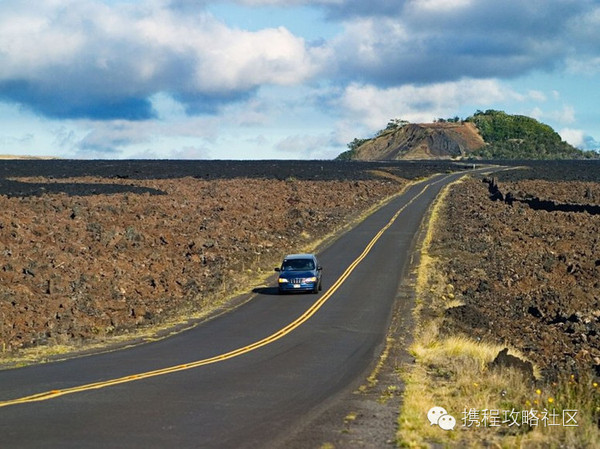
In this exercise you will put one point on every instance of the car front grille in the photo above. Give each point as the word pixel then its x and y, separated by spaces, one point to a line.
pixel 297 281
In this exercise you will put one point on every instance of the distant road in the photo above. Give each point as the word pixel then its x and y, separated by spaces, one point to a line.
pixel 241 380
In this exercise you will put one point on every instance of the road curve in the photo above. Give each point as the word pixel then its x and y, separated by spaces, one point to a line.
pixel 241 380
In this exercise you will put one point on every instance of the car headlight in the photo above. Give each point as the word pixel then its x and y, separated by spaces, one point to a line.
pixel 312 279
pixel 283 281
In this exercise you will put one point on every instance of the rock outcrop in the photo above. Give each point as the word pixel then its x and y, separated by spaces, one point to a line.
pixel 422 141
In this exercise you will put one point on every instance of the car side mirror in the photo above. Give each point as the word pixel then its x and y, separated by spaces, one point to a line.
pixel 277 269
pixel 319 268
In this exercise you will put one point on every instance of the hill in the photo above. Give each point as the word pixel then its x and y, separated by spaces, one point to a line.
pixel 485 135
pixel 420 141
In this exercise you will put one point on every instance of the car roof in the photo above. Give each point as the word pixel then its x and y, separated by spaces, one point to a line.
pixel 299 256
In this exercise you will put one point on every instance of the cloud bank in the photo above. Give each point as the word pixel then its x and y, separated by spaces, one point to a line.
pixel 100 66
pixel 91 59
pixel 86 59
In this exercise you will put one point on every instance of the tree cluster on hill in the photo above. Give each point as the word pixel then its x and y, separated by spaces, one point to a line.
pixel 520 137
pixel 454 119
pixel 352 146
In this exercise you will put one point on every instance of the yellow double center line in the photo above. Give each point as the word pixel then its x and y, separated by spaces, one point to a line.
pixel 228 355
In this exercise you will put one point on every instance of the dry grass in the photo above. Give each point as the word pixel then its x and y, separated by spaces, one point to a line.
pixel 20 157
pixel 453 372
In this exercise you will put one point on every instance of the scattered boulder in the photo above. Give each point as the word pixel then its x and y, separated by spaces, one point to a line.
pixel 506 360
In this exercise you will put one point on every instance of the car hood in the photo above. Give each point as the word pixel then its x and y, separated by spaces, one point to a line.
pixel 297 274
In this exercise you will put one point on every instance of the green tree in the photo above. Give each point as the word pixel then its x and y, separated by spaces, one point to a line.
pixel 520 137
pixel 352 147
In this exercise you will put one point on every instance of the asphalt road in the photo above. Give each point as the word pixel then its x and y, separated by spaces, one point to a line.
pixel 242 380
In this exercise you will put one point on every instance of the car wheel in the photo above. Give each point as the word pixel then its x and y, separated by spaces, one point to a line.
pixel 320 286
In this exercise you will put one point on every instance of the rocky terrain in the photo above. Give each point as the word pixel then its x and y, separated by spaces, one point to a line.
pixel 90 249
pixel 523 254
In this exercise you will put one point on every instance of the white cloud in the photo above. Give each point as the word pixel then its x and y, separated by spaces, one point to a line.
pixel 107 136
pixel 248 59
pixel 566 115
pixel 422 41
pixel 536 95
pixel 191 152
pixel 563 116
pixel 584 27
pixel 30 39
pixel 289 2
pixel 579 138
pixel 441 5
pixel 11 141
pixel 575 137
pixel 306 146
pixel 72 58
pixel 536 113
pixel 589 66
pixel 373 107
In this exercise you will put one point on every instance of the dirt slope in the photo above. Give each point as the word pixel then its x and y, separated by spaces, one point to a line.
pixel 423 141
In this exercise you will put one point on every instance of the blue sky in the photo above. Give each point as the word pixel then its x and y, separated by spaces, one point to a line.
pixel 283 79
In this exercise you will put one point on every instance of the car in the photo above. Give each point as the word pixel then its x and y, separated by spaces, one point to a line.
pixel 299 272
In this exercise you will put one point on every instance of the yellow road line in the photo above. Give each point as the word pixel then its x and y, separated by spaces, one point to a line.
pixel 228 355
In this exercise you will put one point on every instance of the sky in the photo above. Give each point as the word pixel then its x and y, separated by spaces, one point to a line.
pixel 284 79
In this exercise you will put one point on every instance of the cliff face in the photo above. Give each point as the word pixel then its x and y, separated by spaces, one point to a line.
pixel 422 141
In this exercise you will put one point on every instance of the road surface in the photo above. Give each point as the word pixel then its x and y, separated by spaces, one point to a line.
pixel 245 379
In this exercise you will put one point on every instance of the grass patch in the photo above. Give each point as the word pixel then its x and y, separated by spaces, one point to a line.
pixel 493 407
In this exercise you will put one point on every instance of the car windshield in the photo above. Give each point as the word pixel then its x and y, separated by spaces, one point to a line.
pixel 298 265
